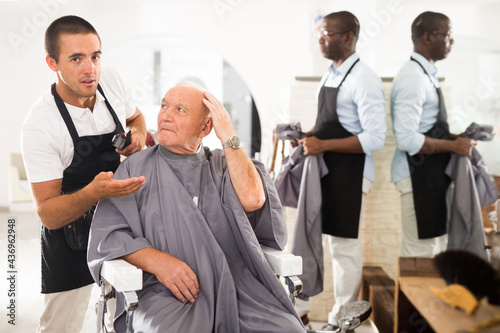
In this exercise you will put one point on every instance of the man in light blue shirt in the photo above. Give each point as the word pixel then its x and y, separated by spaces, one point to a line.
pixel 423 140
pixel 349 127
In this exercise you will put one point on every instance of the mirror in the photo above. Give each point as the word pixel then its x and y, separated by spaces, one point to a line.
pixel 151 65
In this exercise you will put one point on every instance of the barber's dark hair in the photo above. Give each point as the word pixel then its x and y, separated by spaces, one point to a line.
pixel 347 19
pixel 427 21
pixel 70 24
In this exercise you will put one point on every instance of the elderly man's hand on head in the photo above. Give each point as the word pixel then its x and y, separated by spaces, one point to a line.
pixel 244 176
pixel 221 120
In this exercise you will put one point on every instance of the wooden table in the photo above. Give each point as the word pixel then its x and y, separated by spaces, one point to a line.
pixel 419 310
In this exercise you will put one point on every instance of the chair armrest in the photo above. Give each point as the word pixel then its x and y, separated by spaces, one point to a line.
pixel 282 263
pixel 126 277
pixel 122 275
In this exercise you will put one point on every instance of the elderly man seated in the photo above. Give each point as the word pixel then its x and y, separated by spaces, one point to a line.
pixel 195 227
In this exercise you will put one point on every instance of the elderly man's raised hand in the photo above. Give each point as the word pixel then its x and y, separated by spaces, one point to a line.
pixel 220 117
pixel 104 185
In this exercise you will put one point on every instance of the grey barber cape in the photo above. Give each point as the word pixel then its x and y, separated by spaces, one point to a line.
pixel 189 209
pixel 299 186
pixel 473 187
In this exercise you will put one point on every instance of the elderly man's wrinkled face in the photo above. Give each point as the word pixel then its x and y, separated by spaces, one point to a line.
pixel 182 120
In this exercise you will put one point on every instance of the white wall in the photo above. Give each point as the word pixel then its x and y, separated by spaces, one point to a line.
pixel 267 42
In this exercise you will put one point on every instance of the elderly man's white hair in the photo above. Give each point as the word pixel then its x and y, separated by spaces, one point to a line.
pixel 189 84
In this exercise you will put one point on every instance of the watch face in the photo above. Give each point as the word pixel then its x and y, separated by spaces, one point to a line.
pixel 236 141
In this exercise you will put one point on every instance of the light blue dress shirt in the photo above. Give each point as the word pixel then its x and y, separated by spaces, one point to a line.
pixel 414 110
pixel 360 106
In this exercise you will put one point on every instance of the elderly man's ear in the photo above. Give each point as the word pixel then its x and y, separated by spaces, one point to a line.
pixel 207 127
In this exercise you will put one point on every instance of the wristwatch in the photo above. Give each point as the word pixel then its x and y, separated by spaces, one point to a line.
pixel 233 142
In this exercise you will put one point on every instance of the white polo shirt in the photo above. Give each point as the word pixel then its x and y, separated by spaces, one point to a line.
pixel 46 143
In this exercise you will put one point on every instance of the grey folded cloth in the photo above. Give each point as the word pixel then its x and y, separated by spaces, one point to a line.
pixel 289 131
pixel 485 183
pixel 480 132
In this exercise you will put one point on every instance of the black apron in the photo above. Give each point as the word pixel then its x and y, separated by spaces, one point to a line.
pixel 341 188
pixel 428 179
pixel 64 250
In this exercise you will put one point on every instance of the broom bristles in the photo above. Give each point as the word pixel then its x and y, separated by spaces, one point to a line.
pixel 469 270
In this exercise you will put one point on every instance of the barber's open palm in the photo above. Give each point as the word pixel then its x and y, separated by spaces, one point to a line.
pixel 220 117
pixel 104 185
pixel 178 277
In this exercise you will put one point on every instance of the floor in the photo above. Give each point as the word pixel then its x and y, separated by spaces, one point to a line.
pixel 366 327
pixel 28 299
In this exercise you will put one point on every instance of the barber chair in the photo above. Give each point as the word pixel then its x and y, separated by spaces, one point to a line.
pixel 118 276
